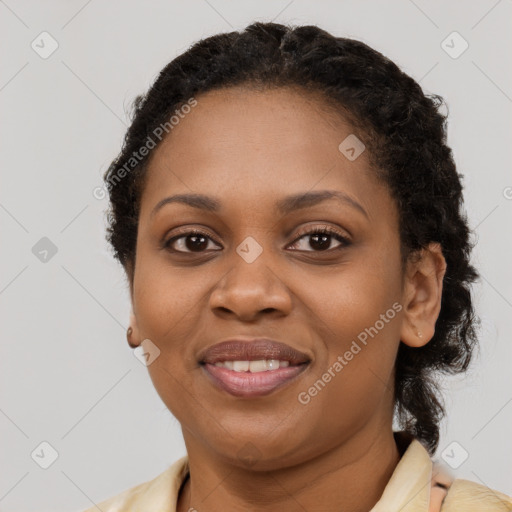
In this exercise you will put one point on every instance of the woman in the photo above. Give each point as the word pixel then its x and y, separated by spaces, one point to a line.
pixel 290 221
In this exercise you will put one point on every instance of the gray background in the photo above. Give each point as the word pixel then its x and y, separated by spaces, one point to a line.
pixel 67 374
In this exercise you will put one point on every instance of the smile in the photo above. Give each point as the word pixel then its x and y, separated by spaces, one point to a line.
pixel 263 378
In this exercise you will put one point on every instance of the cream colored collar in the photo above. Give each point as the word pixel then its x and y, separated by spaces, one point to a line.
pixel 408 489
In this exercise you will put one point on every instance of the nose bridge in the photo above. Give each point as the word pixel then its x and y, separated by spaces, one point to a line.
pixel 251 263
pixel 252 283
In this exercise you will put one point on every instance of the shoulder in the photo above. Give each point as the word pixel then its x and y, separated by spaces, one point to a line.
pixel 467 496
pixel 157 494
pixel 125 500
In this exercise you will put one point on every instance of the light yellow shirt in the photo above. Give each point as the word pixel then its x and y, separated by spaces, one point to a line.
pixel 408 490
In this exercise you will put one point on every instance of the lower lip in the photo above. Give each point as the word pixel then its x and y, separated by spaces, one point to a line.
pixel 247 384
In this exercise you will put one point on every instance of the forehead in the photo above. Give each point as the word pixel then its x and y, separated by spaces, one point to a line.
pixel 238 117
pixel 259 144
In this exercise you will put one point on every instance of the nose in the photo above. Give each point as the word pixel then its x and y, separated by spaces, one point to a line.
pixel 250 289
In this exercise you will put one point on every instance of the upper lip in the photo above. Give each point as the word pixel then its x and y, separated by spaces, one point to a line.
pixel 236 349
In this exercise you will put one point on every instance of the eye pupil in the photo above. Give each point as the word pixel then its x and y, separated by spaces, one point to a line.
pixel 194 246
pixel 320 245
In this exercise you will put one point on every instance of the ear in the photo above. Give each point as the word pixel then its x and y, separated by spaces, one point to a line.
pixel 422 291
pixel 134 338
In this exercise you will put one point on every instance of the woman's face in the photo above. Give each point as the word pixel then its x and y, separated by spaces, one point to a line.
pixel 249 151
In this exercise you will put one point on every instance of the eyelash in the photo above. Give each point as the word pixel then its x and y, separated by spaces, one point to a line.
pixel 325 230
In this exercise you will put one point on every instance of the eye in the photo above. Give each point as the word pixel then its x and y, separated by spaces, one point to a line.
pixel 194 241
pixel 197 241
pixel 321 238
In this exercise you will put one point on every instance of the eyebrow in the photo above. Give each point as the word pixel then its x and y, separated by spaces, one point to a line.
pixel 284 206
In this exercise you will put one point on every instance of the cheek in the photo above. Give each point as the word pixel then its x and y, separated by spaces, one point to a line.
pixel 356 312
pixel 347 399
pixel 358 322
pixel 166 299
pixel 353 297
pixel 359 325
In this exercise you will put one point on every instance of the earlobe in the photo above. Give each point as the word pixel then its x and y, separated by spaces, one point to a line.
pixel 132 333
pixel 422 294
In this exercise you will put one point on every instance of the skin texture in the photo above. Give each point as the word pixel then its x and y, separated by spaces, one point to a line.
pixel 250 149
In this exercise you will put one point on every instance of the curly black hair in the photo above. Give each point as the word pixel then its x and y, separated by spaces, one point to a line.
pixel 405 134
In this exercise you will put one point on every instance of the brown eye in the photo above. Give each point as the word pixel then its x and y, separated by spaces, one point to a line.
pixel 193 241
pixel 320 239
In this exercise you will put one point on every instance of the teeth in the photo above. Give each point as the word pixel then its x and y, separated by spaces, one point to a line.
pixel 262 365
pixel 259 366
pixel 241 366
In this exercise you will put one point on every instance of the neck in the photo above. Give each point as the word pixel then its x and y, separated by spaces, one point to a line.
pixel 351 477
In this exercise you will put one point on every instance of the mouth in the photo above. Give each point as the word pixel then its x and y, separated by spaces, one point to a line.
pixel 252 368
